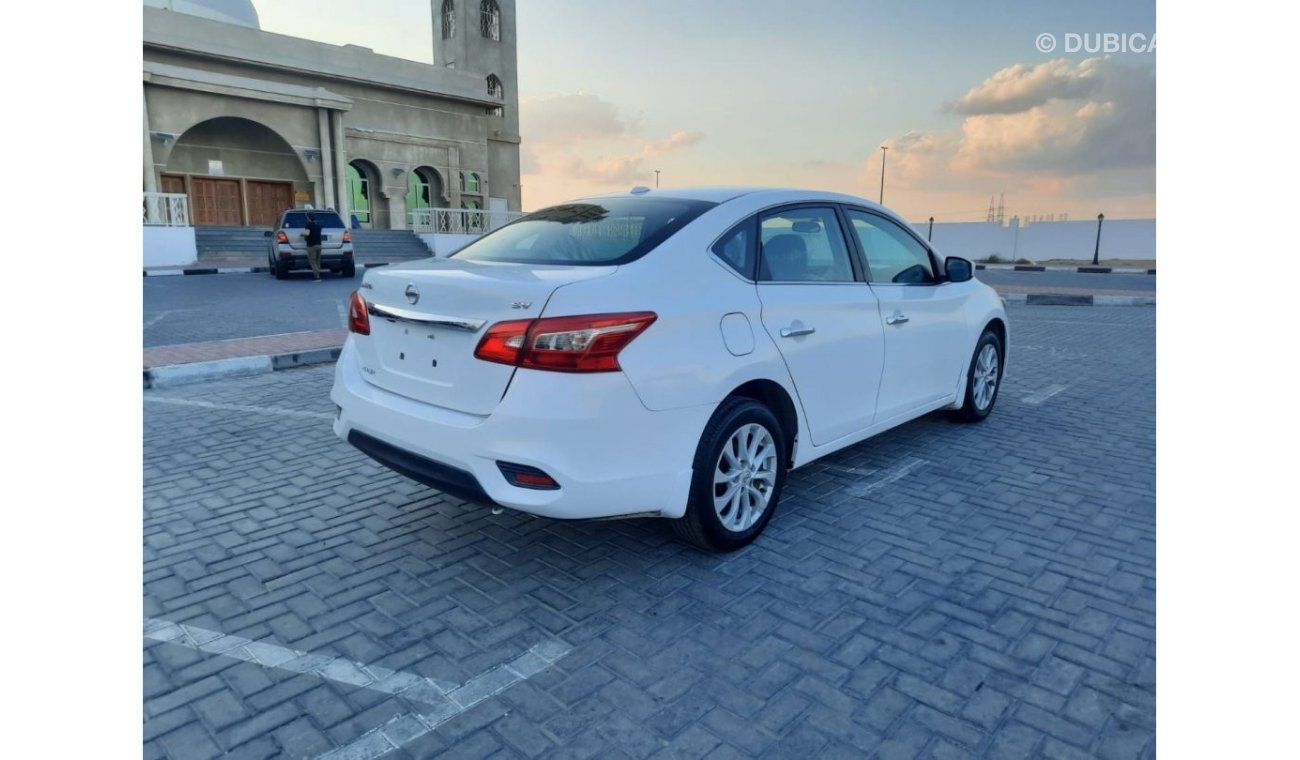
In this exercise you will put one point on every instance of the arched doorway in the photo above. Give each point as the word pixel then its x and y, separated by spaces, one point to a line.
pixel 363 183
pixel 423 191
pixel 236 172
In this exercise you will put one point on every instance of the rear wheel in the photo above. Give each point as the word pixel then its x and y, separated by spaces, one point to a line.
pixel 739 471
pixel 350 269
pixel 983 379
pixel 281 270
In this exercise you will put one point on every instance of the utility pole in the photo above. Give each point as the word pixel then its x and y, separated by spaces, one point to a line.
pixel 882 174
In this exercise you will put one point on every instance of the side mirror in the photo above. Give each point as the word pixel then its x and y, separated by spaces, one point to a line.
pixel 266 234
pixel 958 269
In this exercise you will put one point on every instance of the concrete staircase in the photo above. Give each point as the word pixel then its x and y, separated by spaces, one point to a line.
pixel 246 246
pixel 225 243
pixel 389 245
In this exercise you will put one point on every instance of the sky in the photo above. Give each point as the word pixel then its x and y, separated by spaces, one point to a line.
pixel 761 92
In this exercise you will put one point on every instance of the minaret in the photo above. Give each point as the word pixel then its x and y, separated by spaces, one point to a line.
pixel 478 37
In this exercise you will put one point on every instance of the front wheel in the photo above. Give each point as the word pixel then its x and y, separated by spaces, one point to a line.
pixel 983 379
pixel 739 472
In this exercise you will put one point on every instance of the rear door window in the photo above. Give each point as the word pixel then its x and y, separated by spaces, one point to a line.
pixel 803 245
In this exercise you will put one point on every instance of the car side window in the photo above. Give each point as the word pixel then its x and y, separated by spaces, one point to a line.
pixel 736 249
pixel 892 254
pixel 803 245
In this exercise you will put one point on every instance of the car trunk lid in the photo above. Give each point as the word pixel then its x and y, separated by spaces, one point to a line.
pixel 427 318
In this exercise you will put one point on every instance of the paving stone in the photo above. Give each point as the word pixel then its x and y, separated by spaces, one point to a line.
pixel 997 601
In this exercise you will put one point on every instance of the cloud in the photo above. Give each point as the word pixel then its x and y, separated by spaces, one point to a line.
pixel 1018 88
pixel 571 117
pixel 1053 120
pixel 675 141
pixel 582 137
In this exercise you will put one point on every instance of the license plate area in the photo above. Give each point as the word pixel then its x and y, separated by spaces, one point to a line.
pixel 412 349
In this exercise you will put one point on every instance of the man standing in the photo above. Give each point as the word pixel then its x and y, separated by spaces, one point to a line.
pixel 312 233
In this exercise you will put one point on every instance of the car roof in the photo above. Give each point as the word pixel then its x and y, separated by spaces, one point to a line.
pixel 724 193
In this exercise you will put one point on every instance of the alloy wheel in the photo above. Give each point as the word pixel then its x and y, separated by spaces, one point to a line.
pixel 986 376
pixel 744 477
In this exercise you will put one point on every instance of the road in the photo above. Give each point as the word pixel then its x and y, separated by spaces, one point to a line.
pixel 190 309
pixel 941 590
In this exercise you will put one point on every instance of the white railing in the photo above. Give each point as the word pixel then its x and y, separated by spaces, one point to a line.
pixel 167 209
pixel 460 221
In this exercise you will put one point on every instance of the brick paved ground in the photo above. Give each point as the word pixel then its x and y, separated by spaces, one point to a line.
pixel 939 591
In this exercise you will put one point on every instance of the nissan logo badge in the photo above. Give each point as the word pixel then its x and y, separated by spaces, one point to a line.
pixel 412 294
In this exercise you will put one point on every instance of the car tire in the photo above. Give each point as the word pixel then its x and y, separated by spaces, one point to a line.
pixel 350 270
pixel 714 521
pixel 280 270
pixel 983 379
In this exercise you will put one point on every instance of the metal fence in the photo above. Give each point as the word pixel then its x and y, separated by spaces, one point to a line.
pixel 460 221
pixel 166 209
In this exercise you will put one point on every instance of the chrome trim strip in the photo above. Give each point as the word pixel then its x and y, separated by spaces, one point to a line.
pixel 438 320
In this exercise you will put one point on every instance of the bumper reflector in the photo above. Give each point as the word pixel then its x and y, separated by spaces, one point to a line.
pixel 523 476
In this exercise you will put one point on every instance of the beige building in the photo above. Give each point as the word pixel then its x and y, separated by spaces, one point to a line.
pixel 246 123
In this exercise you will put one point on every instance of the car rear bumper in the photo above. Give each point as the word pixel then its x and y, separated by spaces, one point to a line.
pixel 589 432
pixel 334 258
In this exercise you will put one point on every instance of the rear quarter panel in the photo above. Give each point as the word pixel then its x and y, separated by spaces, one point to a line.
pixel 681 360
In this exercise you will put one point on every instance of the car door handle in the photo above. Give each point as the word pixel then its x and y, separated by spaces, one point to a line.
pixel 896 319
pixel 794 332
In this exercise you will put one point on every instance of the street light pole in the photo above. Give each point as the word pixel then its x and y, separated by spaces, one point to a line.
pixel 656 179
pixel 1097 248
pixel 882 174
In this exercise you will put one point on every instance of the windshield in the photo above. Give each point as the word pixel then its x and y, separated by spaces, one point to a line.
pixel 299 219
pixel 588 233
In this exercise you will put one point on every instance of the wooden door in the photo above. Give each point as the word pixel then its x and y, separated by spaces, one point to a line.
pixel 266 200
pixel 217 202
pixel 173 184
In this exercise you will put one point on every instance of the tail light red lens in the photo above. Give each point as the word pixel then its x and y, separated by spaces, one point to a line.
pixel 503 341
pixel 358 315
pixel 347 236
pixel 282 237
pixel 586 343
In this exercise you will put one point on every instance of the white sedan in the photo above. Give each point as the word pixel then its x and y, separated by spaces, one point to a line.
pixel 663 353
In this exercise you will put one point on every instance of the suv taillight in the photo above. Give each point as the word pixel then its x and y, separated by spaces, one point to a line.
pixel 282 237
pixel 358 316
pixel 586 343
pixel 347 236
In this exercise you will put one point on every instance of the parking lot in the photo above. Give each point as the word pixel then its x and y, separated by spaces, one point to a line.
pixel 939 591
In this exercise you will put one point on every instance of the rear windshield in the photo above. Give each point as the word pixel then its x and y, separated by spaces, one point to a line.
pixel 299 219
pixel 591 233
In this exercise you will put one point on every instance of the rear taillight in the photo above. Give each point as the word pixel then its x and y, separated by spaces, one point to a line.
pixel 503 340
pixel 282 237
pixel 347 236
pixel 358 316
pixel 587 343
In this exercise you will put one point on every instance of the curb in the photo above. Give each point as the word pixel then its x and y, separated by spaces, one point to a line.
pixel 1083 269
pixel 1066 299
pixel 172 375
pixel 236 270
